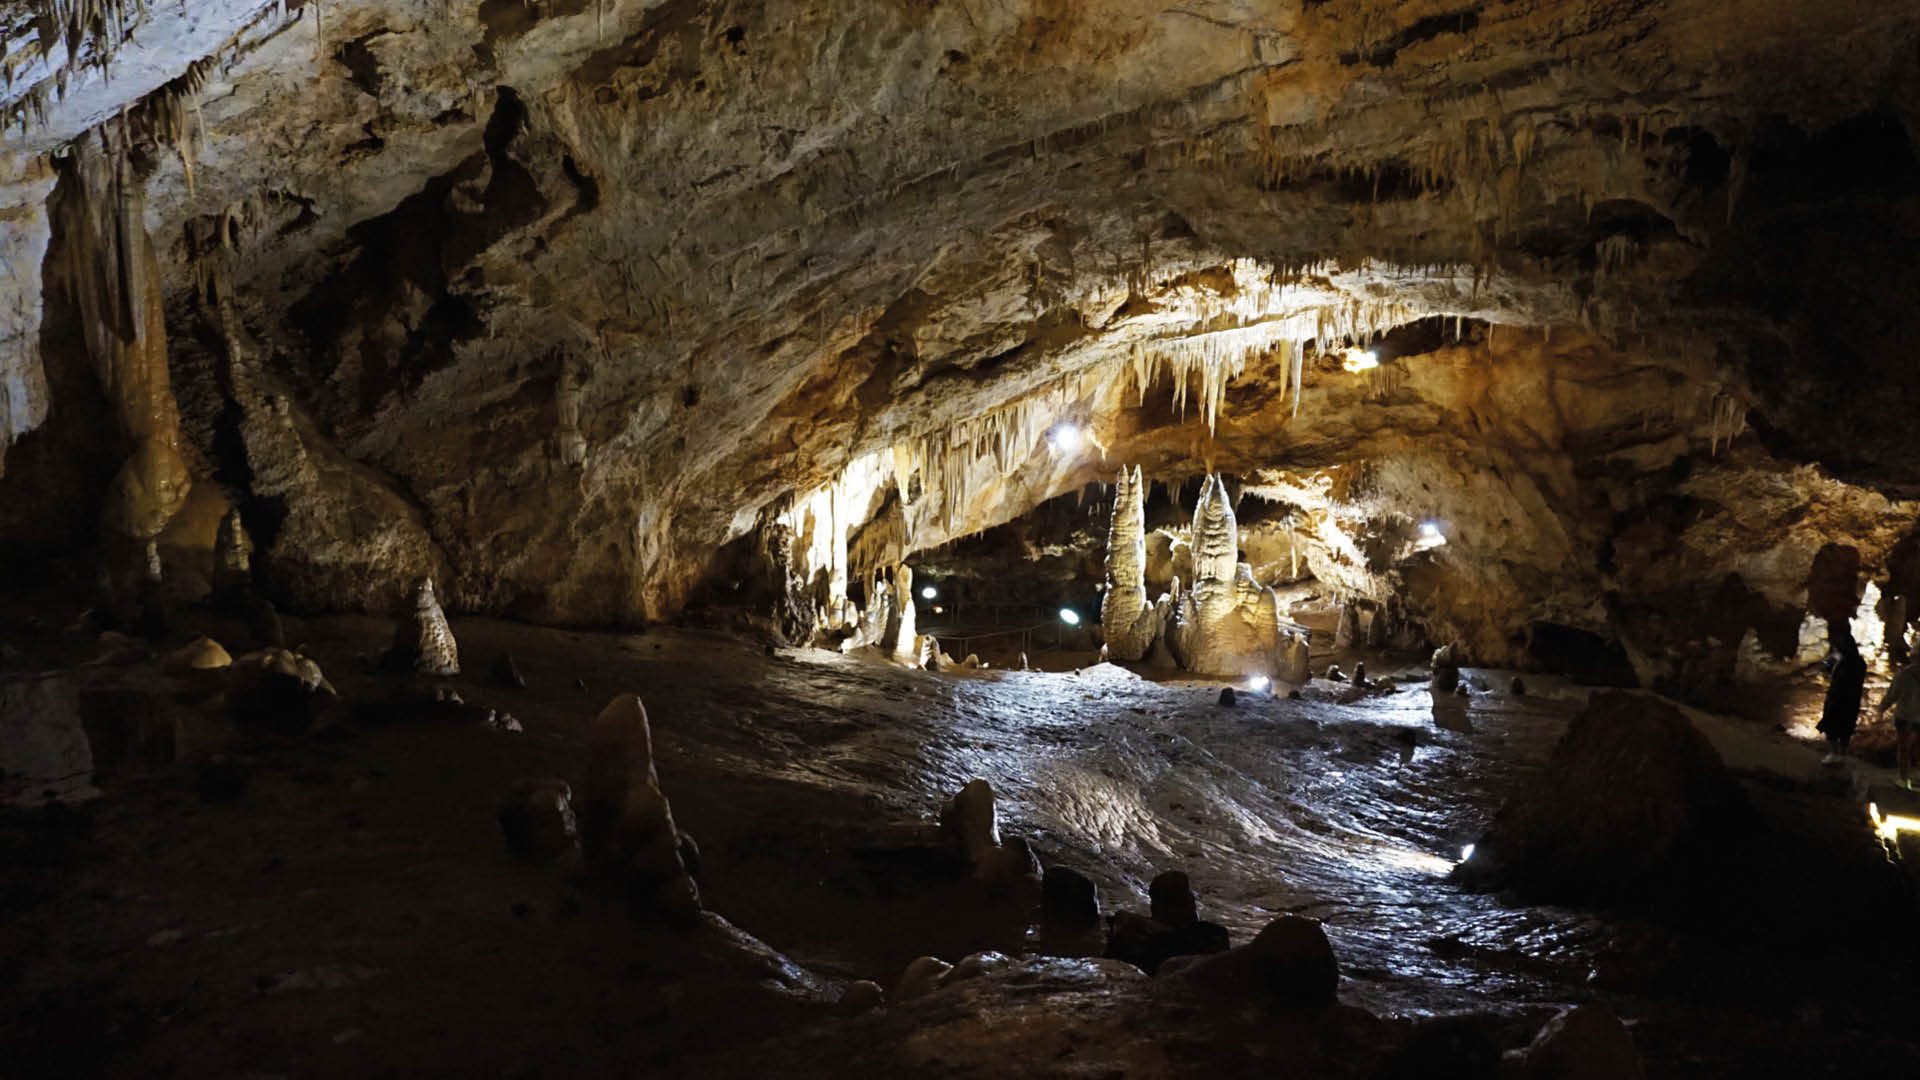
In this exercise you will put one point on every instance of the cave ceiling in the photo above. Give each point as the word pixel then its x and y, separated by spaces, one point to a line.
pixel 554 299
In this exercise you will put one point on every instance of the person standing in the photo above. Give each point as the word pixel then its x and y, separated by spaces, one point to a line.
pixel 1903 697
pixel 1841 713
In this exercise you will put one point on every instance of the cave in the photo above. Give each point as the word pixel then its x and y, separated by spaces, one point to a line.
pixel 1057 537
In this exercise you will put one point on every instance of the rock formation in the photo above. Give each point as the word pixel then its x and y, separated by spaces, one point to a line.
pixel 232 556
pixel 1225 624
pixel 970 821
pixel 906 645
pixel 1130 622
pixel 422 639
pixel 626 826
pixel 1632 796
pixel 538 821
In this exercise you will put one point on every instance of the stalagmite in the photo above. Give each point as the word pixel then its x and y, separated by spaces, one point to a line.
pixel 232 555
pixel 906 645
pixel 1130 623
pixel 1346 633
pixel 423 639
pixel 626 825
pixel 1295 658
pixel 1226 624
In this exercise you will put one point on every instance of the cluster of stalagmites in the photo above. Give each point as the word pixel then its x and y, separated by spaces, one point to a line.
pixel 1225 623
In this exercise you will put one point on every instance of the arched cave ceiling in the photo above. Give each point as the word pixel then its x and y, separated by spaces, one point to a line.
pixel 415 251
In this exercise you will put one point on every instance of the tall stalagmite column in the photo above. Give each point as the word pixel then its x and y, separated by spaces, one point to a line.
pixel 1128 621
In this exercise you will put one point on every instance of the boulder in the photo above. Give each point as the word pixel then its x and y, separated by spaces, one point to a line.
pixel 1289 963
pixel 626 825
pixel 922 977
pixel 1631 792
pixel 200 654
pixel 1228 699
pixel 859 997
pixel 1446 671
pixel 1147 943
pixel 537 820
pixel 1171 899
pixel 1069 902
pixel 1586 1042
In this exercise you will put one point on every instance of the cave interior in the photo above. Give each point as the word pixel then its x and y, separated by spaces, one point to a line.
pixel 1362 538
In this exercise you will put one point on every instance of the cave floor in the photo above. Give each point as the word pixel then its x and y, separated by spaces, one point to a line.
pixel 354 911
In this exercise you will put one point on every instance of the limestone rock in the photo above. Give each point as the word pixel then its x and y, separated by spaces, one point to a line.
pixel 1171 898
pixel 1147 943
pixel 232 555
pixel 200 654
pixel 422 639
pixel 507 673
pixel 1631 794
pixel 1226 624
pixel 538 821
pixel 1289 963
pixel 1069 902
pixel 970 823
pixel 1131 624
pixel 626 826
pixel 1585 1042
pixel 862 996
pixel 922 977
pixel 1295 657
pixel 1446 671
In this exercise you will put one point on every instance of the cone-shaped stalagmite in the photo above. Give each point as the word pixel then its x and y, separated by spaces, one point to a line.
pixel 423 638
pixel 1130 623
pixel 626 825
pixel 1226 624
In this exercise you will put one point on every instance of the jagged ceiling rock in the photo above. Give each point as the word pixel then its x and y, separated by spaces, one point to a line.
pixel 733 247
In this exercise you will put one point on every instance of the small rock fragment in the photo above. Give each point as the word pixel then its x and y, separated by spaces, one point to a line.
pixel 200 654
pixel 1228 699
pixel 538 821
pixel 860 997
pixel 507 673
pixel 922 977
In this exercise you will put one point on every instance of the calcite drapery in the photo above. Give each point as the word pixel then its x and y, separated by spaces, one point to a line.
pixel 1226 624
pixel 112 274
pixel 1129 622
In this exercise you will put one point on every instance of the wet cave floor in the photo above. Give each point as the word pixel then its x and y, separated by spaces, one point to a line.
pixel 353 910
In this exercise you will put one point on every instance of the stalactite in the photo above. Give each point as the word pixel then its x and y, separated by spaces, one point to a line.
pixel 110 272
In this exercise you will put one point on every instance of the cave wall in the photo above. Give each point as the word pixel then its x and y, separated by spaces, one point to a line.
pixel 557 301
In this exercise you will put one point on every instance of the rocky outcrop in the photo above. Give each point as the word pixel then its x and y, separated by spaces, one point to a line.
pixel 970 822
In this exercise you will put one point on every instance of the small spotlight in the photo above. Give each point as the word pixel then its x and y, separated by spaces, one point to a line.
pixel 1259 682
pixel 1360 360
pixel 938 610
pixel 1429 536
pixel 929 593
pixel 1069 616
pixel 1066 437
pixel 1466 853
